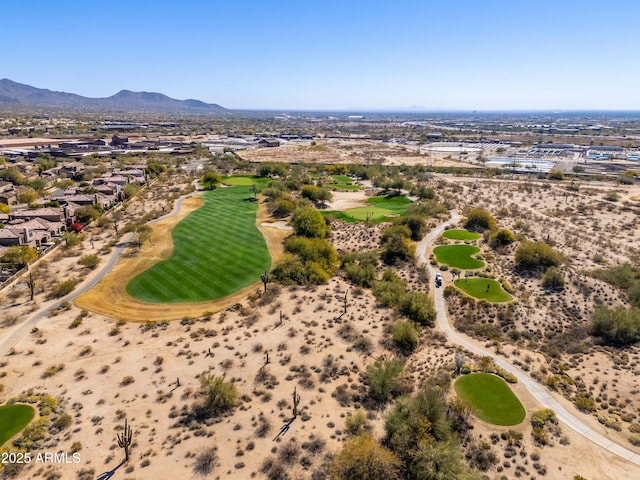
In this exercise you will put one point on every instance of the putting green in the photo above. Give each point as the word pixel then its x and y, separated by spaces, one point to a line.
pixel 379 209
pixel 458 256
pixel 13 418
pixel 458 234
pixel 217 250
pixel 477 287
pixel 491 398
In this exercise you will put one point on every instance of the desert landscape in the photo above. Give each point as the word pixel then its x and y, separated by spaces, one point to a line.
pixel 299 355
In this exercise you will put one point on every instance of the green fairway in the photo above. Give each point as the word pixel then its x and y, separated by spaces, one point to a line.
pixel 477 287
pixel 458 256
pixel 379 209
pixel 13 418
pixel 342 182
pixel 217 250
pixel 491 398
pixel 460 235
pixel 245 180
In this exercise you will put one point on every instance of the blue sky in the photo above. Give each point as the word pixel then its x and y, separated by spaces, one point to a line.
pixel 309 54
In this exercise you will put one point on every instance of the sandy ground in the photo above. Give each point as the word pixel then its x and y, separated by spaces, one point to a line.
pixel 315 352
pixel 346 200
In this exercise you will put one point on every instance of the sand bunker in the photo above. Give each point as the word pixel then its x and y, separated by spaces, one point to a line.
pixel 280 224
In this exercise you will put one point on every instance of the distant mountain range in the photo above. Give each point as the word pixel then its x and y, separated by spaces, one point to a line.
pixel 20 95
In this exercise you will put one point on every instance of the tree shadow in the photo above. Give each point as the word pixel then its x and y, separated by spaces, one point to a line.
pixel 110 473
pixel 284 429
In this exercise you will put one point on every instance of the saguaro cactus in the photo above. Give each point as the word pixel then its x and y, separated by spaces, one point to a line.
pixel 296 401
pixel 124 440
pixel 265 279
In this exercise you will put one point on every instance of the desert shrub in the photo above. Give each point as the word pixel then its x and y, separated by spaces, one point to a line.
pixel 309 261
pixel 62 288
pixel 501 238
pixel 362 458
pixel 633 295
pixel 384 379
pixel 356 423
pixel 478 219
pixel 540 417
pixel 392 291
pixel 553 278
pixel 419 432
pixel 313 251
pixel 361 274
pixel 555 174
pixel 585 404
pixel 315 193
pixel 205 462
pixel 418 307
pixel 535 255
pixel 417 226
pixel 309 222
pixel 405 335
pixel 219 395
pixel 426 208
pixel 622 276
pixel 396 244
pixel 90 261
pixel 63 421
pixel 283 208
pixel 616 326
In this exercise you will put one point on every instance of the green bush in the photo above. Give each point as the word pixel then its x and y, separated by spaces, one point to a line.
pixel 405 335
pixel 315 193
pixel 585 404
pixel 616 326
pixel 553 278
pixel 356 424
pixel 90 261
pixel 219 395
pixel 283 208
pixel 309 222
pixel 396 244
pixel 418 307
pixel 535 255
pixel 362 458
pixel 622 276
pixel 384 379
pixel 479 219
pixel 417 225
pixel 308 261
pixel 540 417
pixel 501 238
pixel 63 288
pixel 362 275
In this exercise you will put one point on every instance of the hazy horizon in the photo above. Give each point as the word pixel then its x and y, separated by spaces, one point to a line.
pixel 456 56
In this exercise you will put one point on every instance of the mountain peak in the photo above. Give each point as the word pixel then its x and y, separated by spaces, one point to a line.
pixel 15 93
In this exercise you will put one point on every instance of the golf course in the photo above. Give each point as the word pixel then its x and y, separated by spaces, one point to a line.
pixel 458 256
pixel 491 399
pixel 458 234
pixel 217 250
pixel 13 418
pixel 483 289
pixel 378 209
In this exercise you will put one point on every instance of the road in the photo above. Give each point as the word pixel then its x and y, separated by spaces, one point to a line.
pixel 21 330
pixel 538 392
